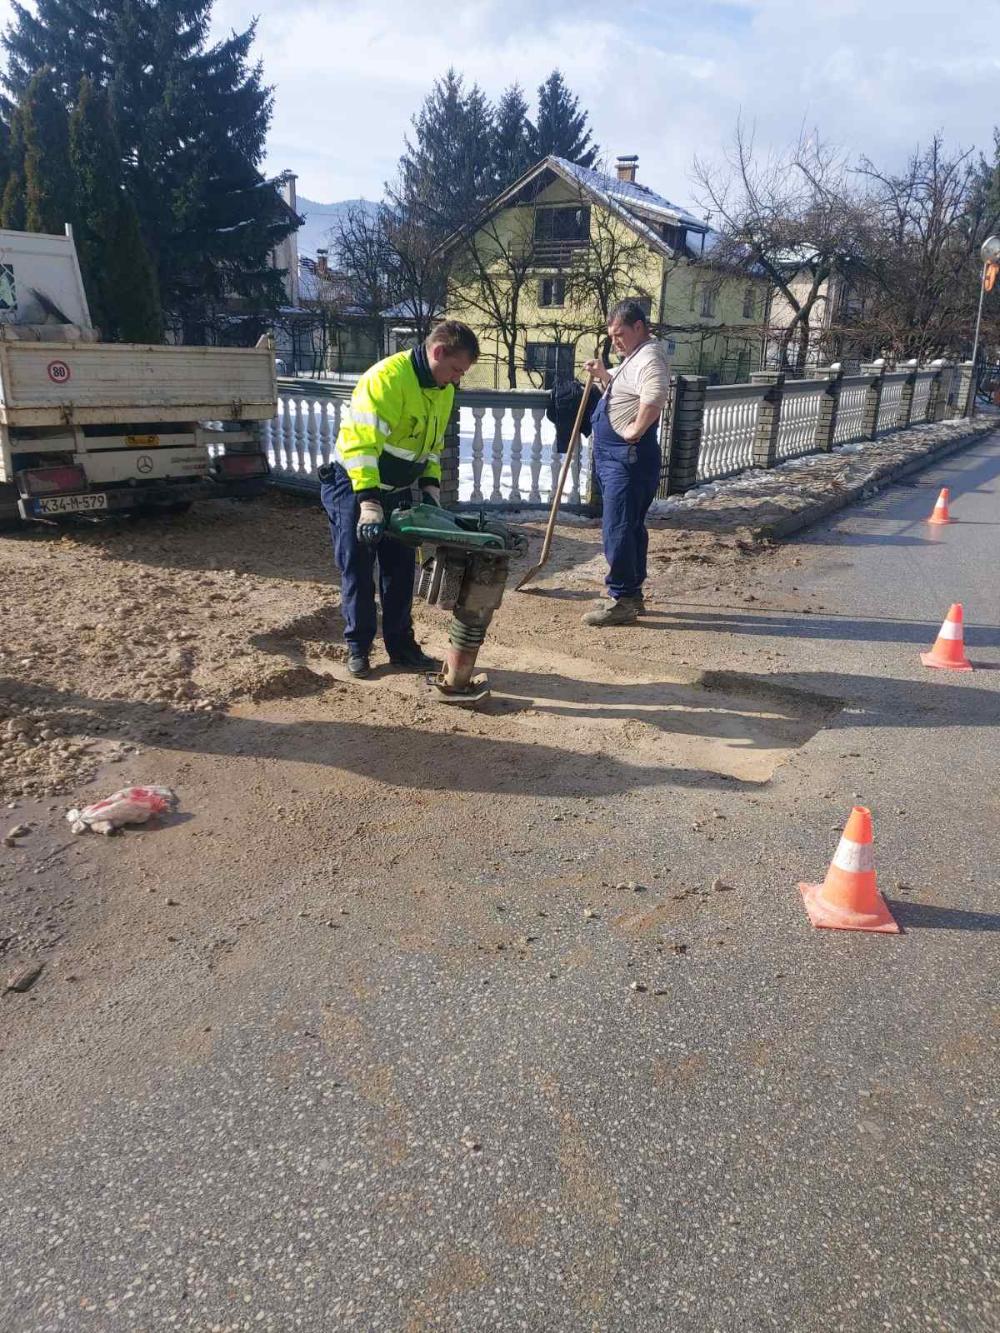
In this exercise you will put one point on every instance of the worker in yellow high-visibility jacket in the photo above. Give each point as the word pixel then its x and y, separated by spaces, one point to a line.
pixel 392 438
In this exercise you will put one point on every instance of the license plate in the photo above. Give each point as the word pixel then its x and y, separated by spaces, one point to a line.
pixel 142 441
pixel 71 504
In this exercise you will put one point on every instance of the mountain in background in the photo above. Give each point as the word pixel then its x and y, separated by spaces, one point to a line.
pixel 320 219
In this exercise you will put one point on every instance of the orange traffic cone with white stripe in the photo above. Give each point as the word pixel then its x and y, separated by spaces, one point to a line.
pixel 949 647
pixel 848 898
pixel 940 512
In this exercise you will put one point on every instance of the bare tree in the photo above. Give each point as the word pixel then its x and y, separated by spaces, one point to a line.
pixel 614 264
pixel 931 217
pixel 796 216
pixel 416 269
pixel 364 257
pixel 492 266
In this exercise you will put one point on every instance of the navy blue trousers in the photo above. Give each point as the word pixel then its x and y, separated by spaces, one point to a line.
pixel 356 562
pixel 629 475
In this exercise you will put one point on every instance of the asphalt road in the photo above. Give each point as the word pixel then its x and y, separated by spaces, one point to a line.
pixel 781 1128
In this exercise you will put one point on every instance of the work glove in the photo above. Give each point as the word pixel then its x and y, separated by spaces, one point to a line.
pixel 371 522
pixel 431 495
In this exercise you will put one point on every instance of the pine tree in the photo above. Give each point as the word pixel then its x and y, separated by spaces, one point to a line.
pixel 48 178
pixel 191 119
pixel 117 271
pixel 447 172
pixel 12 209
pixel 560 127
pixel 512 154
pixel 132 290
pixel 96 161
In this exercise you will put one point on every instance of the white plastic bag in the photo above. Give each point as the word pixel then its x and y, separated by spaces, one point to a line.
pixel 131 805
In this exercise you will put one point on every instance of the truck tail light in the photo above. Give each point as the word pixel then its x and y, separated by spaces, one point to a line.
pixel 240 465
pixel 51 480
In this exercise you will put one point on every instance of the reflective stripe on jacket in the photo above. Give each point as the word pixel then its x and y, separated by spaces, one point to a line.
pixel 395 431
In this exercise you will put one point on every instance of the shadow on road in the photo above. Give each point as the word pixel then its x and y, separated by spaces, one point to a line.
pixel 735 620
pixel 924 916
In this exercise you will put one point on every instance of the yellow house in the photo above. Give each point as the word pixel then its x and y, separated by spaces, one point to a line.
pixel 537 271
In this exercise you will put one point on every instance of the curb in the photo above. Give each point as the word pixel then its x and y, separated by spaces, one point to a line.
pixel 814 513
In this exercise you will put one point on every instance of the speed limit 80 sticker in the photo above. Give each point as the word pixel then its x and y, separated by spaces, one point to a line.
pixel 59 372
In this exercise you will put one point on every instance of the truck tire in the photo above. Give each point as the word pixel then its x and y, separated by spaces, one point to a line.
pixel 10 517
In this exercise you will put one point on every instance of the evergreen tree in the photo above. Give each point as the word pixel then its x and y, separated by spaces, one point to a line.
pixel 560 127
pixel 117 271
pixel 12 209
pixel 512 155
pixel 447 172
pixel 48 179
pixel 132 290
pixel 191 119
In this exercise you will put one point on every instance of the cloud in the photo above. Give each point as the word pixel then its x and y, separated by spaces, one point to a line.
pixel 661 78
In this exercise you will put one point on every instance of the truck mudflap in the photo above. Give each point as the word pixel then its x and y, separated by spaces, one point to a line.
pixel 119 499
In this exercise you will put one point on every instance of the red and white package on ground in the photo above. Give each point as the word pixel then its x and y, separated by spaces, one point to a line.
pixel 131 805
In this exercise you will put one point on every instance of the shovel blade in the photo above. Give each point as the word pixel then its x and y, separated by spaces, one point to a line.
pixel 526 578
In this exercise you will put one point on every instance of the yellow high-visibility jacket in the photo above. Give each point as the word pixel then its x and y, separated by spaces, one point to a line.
pixel 395 431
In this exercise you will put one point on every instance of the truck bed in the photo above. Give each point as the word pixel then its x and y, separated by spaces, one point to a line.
pixel 51 384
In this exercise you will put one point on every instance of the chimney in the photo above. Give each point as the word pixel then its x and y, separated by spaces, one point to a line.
pixel 627 167
pixel 322 267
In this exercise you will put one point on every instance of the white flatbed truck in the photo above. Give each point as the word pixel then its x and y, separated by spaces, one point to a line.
pixel 88 427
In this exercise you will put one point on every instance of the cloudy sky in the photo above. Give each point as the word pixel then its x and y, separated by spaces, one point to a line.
pixel 661 78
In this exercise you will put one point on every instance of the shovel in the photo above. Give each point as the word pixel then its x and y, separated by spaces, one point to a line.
pixel 574 440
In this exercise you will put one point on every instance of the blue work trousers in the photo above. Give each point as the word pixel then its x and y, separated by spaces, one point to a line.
pixel 629 475
pixel 356 562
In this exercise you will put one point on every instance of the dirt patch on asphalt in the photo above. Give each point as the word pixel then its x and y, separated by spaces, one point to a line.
pixel 111 634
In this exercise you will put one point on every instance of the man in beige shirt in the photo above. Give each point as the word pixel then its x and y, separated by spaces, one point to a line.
pixel 627 456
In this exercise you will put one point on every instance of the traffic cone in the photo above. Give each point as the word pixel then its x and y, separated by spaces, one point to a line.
pixel 848 898
pixel 940 514
pixel 949 646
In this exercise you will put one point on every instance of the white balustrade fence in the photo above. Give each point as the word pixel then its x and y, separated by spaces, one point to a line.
pixel 851 411
pixel 800 406
pixel 888 408
pixel 507 449
pixel 727 432
pixel 506 446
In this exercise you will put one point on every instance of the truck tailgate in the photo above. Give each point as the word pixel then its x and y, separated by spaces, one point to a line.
pixel 47 384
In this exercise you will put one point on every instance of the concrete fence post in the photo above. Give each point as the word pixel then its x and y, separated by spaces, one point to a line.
pixel 905 412
pixel 829 405
pixel 449 461
pixel 682 437
pixel 765 445
pixel 873 399
pixel 966 393
pixel 937 397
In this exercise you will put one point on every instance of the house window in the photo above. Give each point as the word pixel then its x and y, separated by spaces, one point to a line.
pixel 559 232
pixel 552 291
pixel 707 301
pixel 749 303
pixel 553 361
pixel 675 237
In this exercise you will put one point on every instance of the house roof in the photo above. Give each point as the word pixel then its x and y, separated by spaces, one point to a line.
pixel 642 209
pixel 636 198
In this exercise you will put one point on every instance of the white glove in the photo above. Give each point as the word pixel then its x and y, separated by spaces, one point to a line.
pixel 371 522
pixel 431 495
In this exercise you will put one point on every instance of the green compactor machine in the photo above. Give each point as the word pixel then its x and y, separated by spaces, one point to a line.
pixel 464 562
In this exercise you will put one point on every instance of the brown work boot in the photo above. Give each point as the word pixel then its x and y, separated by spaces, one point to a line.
pixel 623 611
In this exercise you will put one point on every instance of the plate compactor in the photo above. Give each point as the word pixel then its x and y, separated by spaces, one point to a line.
pixel 464 561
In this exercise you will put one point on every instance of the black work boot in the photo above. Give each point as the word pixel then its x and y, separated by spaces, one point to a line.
pixel 358 665
pixel 413 658
pixel 624 611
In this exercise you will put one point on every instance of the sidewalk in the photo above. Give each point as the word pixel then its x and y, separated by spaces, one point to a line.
pixel 782 500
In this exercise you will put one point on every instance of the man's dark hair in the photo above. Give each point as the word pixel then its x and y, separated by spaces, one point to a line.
pixel 629 312
pixel 454 336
